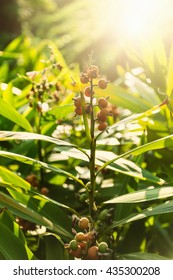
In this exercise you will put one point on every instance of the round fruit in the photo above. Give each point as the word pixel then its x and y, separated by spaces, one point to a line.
pixel 83 244
pixel 44 191
pixel 83 223
pixel 93 72
pixel 80 236
pixel 102 102
pixel 92 253
pixel 101 118
pixel 90 236
pixel 78 102
pixel 102 83
pixel 78 111
pixel 102 248
pixel 76 253
pixel 84 78
pixel 102 126
pixel 103 215
pixel 88 91
pixel 73 245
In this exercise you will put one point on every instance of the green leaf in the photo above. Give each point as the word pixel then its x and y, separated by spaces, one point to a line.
pixel 61 112
pixel 10 113
pixel 150 193
pixel 9 241
pixel 123 166
pixel 6 176
pixel 40 164
pixel 165 142
pixel 33 210
pixel 10 135
pixel 142 256
pixel 163 208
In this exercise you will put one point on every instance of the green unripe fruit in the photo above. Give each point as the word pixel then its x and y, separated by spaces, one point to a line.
pixel 73 245
pixel 102 248
pixel 83 197
pixel 103 215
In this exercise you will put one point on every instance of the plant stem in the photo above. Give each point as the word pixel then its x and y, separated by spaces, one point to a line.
pixel 39 146
pixel 92 156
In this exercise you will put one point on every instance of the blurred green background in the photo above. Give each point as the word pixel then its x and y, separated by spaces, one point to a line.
pixel 110 28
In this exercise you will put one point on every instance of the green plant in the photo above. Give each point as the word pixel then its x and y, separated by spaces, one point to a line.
pixel 69 189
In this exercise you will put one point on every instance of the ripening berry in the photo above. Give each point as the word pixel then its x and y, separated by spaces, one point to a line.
pixel 88 92
pixel 83 244
pixel 76 253
pixel 78 102
pixel 92 253
pixel 101 118
pixel 73 245
pixel 102 83
pixel 83 223
pixel 44 191
pixel 102 248
pixel 32 179
pixel 90 236
pixel 102 102
pixel 78 111
pixel 80 236
pixel 92 72
pixel 102 126
pixel 84 78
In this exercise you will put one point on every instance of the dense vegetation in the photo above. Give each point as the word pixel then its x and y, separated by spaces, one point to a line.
pixel 85 155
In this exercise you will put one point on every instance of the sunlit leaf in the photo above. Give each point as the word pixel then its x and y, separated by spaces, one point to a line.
pixel 150 193
pixel 10 113
pixel 39 164
pixel 163 208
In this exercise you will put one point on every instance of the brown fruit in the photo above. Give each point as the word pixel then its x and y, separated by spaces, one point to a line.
pixel 80 236
pixel 101 117
pixel 88 92
pixel 102 126
pixel 102 83
pixel 84 78
pixel 83 223
pixel 76 253
pixel 32 179
pixel 92 253
pixel 78 111
pixel 78 102
pixel 93 72
pixel 44 191
pixel 90 236
pixel 83 244
pixel 102 102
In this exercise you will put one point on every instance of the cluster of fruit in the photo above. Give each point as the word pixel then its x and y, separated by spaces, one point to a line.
pixel 33 180
pixel 105 108
pixel 84 244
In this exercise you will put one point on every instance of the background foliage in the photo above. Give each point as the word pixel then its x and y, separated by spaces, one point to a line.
pixel 43 157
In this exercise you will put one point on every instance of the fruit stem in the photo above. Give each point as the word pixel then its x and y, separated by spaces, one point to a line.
pixel 92 155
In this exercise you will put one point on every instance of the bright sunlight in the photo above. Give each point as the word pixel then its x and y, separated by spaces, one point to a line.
pixel 135 18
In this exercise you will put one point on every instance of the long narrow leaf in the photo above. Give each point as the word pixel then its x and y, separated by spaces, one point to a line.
pixel 31 161
pixel 163 208
pixel 150 193
pixel 10 113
